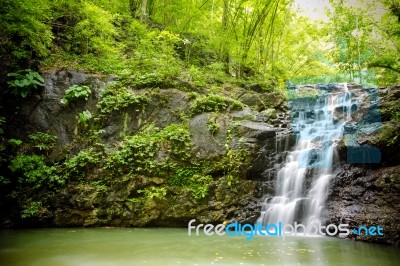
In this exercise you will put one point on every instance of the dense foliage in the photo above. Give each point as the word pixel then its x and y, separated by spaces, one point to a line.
pixel 156 42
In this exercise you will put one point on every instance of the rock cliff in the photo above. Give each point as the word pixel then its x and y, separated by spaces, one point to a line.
pixel 227 156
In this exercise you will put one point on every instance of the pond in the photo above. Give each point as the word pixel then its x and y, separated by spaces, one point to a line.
pixel 166 246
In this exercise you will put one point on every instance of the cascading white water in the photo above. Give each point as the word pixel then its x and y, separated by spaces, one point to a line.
pixel 318 135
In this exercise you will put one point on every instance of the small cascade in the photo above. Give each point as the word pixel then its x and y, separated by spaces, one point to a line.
pixel 319 125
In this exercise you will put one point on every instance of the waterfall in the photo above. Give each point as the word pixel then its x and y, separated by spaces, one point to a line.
pixel 318 123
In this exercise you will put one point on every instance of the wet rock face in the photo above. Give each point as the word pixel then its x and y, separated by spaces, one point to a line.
pixel 369 194
pixel 87 207
pixel 208 145
pixel 387 139
pixel 261 127
pixel 361 196
pixel 43 112
pixel 262 101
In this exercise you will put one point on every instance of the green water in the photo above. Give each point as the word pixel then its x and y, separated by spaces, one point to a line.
pixel 123 246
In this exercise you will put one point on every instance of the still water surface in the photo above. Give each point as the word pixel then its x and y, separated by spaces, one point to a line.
pixel 127 246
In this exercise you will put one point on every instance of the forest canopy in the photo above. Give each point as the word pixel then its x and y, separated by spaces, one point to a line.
pixel 267 40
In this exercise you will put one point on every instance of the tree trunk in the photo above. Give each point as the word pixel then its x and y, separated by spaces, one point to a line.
pixel 225 49
pixel 143 11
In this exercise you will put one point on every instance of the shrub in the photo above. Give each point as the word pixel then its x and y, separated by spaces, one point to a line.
pixel 33 171
pixel 31 210
pixel 82 162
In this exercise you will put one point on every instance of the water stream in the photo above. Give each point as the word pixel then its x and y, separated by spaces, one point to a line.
pixel 319 127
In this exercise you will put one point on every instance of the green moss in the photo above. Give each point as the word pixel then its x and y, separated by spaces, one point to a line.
pixel 212 124
pixel 137 154
pixel 389 134
pixel 214 103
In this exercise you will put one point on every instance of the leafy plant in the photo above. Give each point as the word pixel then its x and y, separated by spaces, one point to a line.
pixel 95 32
pixel 84 117
pixel 3 157
pixel 197 76
pixel 31 210
pixel 15 142
pixel 181 175
pixel 133 200
pixel 303 93
pixel 177 139
pixel 136 155
pixel 115 97
pixel 100 187
pixel 147 80
pixel 76 92
pixel 33 171
pixel 190 177
pixel 81 163
pixel 4 180
pixel 24 81
pixel 395 114
pixel 153 192
pixel 42 141
pixel 2 122
pixel 235 160
pixel 199 185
